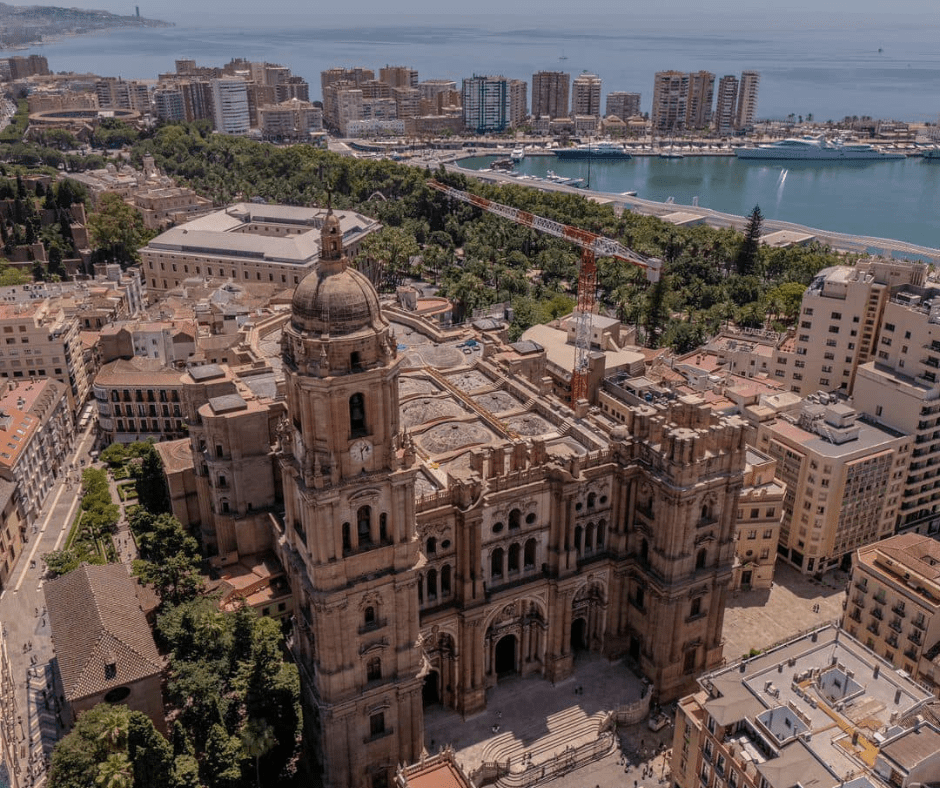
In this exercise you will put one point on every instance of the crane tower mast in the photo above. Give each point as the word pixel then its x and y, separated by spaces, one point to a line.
pixel 592 246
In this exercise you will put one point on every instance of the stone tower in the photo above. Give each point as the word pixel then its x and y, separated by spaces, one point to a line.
pixel 348 543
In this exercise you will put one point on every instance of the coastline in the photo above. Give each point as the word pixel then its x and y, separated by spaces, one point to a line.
pixel 845 242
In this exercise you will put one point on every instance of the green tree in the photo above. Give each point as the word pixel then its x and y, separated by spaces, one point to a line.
pixel 115 772
pixel 258 739
pixel 117 230
pixel 150 754
pixel 385 257
pixel 746 260
pixel 152 491
pixel 221 765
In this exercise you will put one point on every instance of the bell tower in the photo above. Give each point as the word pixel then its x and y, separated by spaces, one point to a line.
pixel 349 541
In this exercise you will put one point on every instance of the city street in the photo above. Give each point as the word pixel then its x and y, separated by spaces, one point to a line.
pixel 26 626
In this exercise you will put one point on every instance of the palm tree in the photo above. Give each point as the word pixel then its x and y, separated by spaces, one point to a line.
pixel 257 739
pixel 114 723
pixel 115 772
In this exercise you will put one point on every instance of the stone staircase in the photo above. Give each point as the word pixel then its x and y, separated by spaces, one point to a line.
pixel 568 728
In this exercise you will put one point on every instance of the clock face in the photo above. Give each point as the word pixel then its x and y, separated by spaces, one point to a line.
pixel 360 451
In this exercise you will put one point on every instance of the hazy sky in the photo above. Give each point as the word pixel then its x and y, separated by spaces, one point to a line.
pixel 734 11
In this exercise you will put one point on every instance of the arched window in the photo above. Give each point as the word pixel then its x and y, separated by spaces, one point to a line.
pixel 432 585
pixel 601 534
pixel 701 558
pixel 431 546
pixel 354 360
pixel 592 499
pixel 514 552
pixel 445 581
pixel 706 512
pixel 364 525
pixel 578 531
pixel 528 559
pixel 496 563
pixel 368 617
pixel 420 590
pixel 225 506
pixel 589 538
pixel 383 527
pixel 644 550
pixel 374 669
pixel 347 538
pixel 357 415
pixel 515 519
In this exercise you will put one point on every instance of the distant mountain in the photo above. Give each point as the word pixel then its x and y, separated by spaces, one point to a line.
pixel 25 25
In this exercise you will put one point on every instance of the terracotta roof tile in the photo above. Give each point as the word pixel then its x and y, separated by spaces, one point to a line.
pixel 96 620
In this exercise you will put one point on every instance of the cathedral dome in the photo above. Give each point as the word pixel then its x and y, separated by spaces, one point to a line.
pixel 335 303
pixel 334 299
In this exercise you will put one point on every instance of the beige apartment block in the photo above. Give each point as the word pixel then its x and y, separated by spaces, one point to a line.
pixel 821 710
pixel 13 530
pixel 399 76
pixel 586 95
pixel 550 94
pixel 292 119
pixel 726 105
pixel 36 433
pixel 38 339
pixel 760 511
pixel 246 242
pixel 670 102
pixel 893 604
pixel 840 317
pixel 899 387
pixel 747 100
pixel 455 526
pixel 623 105
pixel 844 476
pixel 701 95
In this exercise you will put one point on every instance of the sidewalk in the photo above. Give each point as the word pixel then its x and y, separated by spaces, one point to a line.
pixel 38 696
pixel 122 537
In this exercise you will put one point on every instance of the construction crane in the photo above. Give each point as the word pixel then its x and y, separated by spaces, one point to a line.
pixel 592 246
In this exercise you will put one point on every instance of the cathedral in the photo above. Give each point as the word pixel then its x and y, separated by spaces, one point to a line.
pixel 446 524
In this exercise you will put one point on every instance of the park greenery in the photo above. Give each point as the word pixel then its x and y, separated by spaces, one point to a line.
pixel 232 699
pixel 89 540
pixel 711 275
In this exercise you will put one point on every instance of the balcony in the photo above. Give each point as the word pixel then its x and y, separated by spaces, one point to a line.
pixel 915 638
pixel 876 613
pixel 892 640
pixel 895 625
pixel 910 654
pixel 920 622
pixel 873 628
pixel 863 587
pixel 856 616
pixel 899 610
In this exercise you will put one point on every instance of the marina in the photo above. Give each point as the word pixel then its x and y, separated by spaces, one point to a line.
pixel 893 199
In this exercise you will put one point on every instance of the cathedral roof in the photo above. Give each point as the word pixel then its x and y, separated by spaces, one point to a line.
pixel 334 299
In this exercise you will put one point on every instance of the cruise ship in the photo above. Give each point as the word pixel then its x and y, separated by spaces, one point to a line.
pixel 814 149
pixel 593 150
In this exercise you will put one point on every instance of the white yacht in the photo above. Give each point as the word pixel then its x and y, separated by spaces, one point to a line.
pixel 815 149
pixel 518 154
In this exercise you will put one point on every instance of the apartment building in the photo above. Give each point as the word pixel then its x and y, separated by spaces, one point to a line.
pixel 701 97
pixel 747 100
pixel 623 105
pixel 820 710
pixel 36 433
pixel 518 102
pixel 354 76
pixel 247 242
pixel 586 95
pixel 168 104
pixel 844 476
pixel 726 105
pixel 550 94
pixel 670 101
pixel 171 342
pixel 486 104
pixel 116 93
pixel 292 88
pixel 138 399
pixel 230 106
pixel 893 604
pixel 399 76
pixel 40 340
pixel 291 119
pixel 757 532
pixel 838 327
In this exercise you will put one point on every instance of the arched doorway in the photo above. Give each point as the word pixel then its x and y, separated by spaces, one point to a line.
pixel 579 635
pixel 505 657
pixel 431 691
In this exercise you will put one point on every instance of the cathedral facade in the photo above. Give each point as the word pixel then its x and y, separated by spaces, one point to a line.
pixel 445 526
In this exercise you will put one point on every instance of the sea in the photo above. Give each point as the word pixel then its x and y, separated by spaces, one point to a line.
pixel 812 64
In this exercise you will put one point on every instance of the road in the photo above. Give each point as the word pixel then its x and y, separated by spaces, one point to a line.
pixel 26 627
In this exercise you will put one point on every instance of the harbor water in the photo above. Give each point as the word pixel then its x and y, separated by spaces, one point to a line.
pixel 886 199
